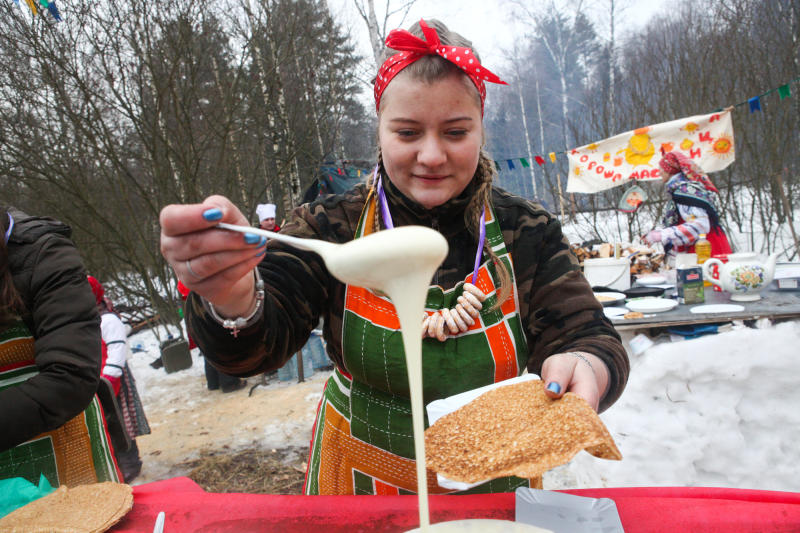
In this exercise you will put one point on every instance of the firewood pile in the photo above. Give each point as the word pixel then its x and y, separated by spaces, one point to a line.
pixel 644 260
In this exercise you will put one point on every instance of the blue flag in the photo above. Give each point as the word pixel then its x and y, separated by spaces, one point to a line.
pixel 54 10
pixel 755 104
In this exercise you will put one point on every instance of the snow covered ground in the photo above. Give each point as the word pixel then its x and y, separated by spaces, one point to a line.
pixel 721 410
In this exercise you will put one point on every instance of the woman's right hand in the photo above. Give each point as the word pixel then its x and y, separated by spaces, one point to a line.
pixel 215 263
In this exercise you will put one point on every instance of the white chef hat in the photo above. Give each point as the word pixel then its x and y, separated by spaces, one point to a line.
pixel 265 211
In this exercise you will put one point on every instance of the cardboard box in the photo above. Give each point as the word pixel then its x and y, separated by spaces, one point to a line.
pixel 689 281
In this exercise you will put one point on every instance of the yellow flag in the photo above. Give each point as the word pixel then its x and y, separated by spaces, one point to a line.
pixel 552 156
pixel 32 6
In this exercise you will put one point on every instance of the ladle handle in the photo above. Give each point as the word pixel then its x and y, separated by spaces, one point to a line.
pixel 312 245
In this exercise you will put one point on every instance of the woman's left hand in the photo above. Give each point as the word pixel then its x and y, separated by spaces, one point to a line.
pixel 653 237
pixel 582 373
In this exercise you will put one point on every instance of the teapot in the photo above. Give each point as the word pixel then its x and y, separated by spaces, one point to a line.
pixel 743 276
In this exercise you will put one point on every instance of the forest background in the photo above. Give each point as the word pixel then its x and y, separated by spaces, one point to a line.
pixel 125 107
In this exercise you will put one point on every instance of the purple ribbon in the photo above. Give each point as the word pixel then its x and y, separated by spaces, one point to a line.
pixel 10 227
pixel 387 219
pixel 481 240
pixel 387 216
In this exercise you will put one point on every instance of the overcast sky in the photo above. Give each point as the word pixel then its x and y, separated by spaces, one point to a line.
pixel 492 25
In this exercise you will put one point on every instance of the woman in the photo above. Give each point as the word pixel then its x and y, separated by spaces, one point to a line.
pixel 692 210
pixel 432 171
pixel 115 370
pixel 51 421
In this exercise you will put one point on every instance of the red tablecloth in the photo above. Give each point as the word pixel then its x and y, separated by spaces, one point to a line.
pixel 642 510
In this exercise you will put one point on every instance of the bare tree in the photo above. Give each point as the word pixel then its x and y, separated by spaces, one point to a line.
pixel 378 30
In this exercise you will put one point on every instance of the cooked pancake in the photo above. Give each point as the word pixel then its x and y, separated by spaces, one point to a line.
pixel 84 509
pixel 515 430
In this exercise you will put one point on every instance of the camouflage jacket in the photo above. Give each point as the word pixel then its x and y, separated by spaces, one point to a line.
pixel 558 310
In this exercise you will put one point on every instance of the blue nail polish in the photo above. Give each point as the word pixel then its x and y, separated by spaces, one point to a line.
pixel 262 242
pixel 554 387
pixel 262 252
pixel 251 238
pixel 212 214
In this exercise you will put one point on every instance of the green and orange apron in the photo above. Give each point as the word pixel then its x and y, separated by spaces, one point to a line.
pixel 362 441
pixel 79 452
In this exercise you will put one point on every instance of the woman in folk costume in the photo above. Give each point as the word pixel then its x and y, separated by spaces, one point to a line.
pixel 50 347
pixel 488 316
pixel 115 370
pixel 692 210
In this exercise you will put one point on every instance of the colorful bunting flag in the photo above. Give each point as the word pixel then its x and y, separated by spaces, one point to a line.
pixel 754 103
pixel 32 7
pixel 54 10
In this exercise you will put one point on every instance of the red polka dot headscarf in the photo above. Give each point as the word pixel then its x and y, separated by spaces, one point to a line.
pixel 411 48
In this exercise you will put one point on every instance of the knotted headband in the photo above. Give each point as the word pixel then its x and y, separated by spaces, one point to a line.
pixel 411 48
pixel 674 162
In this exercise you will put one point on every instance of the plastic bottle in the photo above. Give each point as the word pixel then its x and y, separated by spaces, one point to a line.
pixel 703 250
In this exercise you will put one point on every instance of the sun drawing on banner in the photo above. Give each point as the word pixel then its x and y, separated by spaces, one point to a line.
pixel 722 146
pixel 640 148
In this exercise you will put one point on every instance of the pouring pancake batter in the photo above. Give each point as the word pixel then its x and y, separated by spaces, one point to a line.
pixel 538 311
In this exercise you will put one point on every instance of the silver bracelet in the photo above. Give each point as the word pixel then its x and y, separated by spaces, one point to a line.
pixel 585 360
pixel 239 323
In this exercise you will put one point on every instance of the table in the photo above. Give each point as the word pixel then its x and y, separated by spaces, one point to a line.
pixel 642 510
pixel 774 304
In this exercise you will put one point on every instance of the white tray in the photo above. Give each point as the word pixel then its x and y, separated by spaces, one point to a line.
pixel 716 308
pixel 651 305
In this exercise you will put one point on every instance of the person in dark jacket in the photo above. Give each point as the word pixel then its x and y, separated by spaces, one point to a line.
pixel 49 358
pixel 487 317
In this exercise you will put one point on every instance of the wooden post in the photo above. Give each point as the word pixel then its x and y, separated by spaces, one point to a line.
pixel 560 196
pixel 300 376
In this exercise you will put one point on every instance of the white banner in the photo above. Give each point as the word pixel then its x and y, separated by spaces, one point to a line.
pixel 634 155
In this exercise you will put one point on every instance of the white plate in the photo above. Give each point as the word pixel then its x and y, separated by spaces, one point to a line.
pixel 609 298
pixel 717 308
pixel 653 279
pixel 614 312
pixel 651 305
